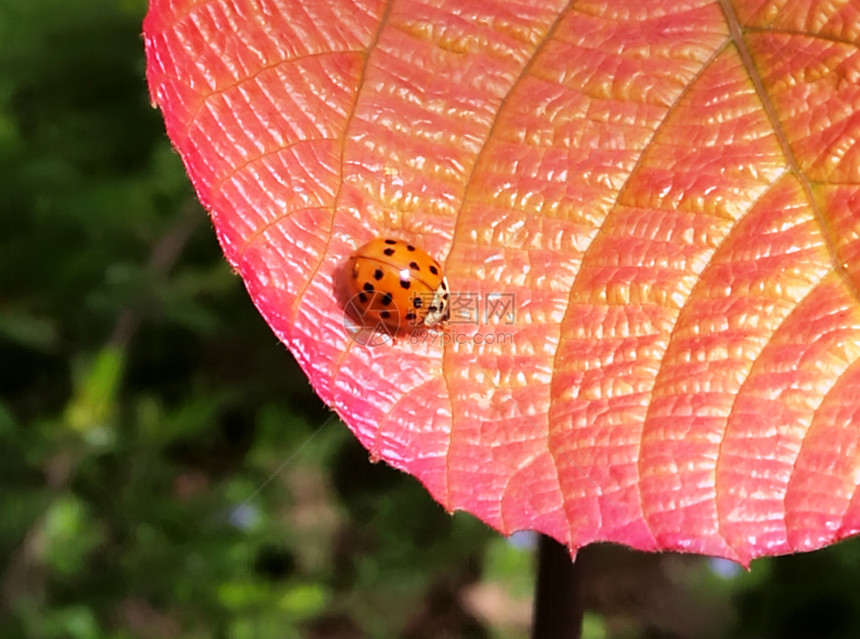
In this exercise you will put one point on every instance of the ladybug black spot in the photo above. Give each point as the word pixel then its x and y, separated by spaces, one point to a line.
pixel 391 241
pixel 434 270
pixel 410 316
pixel 387 299
pixel 409 247
pixel 414 266
pixel 405 284
pixel 377 274
pixel 368 287
pixel 417 302
pixel 389 252
pixel 362 298
pixel 384 314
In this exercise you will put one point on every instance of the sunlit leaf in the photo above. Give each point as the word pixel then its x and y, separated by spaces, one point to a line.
pixel 648 215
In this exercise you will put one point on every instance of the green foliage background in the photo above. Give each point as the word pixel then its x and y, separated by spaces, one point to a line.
pixel 166 470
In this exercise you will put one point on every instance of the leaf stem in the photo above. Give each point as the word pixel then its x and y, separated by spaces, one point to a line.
pixel 559 602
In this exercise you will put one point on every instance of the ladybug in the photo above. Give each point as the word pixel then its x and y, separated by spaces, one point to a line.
pixel 398 285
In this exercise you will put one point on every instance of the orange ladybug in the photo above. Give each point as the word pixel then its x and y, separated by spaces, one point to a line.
pixel 398 285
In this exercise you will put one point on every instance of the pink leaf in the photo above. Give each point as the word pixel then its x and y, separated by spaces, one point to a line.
pixel 665 194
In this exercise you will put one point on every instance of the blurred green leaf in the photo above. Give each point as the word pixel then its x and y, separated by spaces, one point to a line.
pixel 70 534
pixel 593 627
pixel 97 383
pixel 243 594
pixel 73 622
pixel 28 330
pixel 304 600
